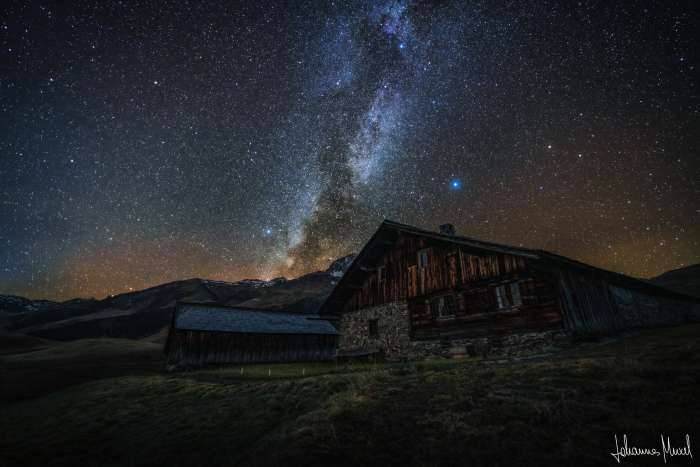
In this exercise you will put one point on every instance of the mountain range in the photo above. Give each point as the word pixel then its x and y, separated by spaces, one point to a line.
pixel 147 312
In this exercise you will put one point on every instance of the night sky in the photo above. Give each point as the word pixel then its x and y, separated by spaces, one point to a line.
pixel 141 144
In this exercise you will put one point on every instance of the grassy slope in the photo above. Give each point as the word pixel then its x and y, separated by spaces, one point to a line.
pixel 59 365
pixel 684 280
pixel 16 343
pixel 471 412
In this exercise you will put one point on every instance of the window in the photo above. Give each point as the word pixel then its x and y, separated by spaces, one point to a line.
pixel 443 307
pixel 373 328
pixel 501 297
pixel 423 257
pixel 450 307
pixel 436 306
pixel 515 293
pixel 508 295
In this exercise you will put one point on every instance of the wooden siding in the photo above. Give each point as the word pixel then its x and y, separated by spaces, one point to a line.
pixel 198 348
pixel 589 306
pixel 477 314
pixel 592 306
pixel 448 266
pixel 471 278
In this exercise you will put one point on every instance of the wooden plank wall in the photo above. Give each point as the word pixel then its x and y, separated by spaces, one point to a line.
pixel 472 279
pixel 448 266
pixel 592 306
pixel 477 312
pixel 203 347
pixel 588 307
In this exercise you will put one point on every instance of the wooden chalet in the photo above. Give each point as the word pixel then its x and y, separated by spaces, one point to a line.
pixel 413 293
pixel 202 334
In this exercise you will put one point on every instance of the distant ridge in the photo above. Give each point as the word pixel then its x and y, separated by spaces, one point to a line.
pixel 143 313
pixel 685 280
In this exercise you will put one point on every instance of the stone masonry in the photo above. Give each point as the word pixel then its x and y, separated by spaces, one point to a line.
pixel 507 346
pixel 393 337
pixel 394 342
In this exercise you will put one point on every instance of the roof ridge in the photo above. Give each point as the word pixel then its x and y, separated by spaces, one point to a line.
pixel 458 237
pixel 619 279
pixel 241 308
pixel 211 317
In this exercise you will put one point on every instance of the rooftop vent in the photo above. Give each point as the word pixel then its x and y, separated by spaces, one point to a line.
pixel 447 229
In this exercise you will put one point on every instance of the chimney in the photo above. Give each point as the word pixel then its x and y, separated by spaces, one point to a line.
pixel 447 229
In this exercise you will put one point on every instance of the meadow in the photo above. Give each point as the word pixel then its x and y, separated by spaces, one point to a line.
pixel 110 402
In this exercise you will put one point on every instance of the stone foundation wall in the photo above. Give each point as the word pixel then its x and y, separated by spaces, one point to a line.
pixel 393 338
pixel 507 346
pixel 394 341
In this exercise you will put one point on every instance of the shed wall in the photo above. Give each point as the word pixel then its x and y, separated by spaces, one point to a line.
pixel 199 348
pixel 592 306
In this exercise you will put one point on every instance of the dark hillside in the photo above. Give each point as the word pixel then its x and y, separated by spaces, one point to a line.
pixel 685 280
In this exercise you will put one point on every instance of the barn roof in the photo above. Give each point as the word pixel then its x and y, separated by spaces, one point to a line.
pixel 203 317
pixel 389 231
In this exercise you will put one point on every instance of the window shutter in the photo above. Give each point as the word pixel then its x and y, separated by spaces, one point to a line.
pixel 515 292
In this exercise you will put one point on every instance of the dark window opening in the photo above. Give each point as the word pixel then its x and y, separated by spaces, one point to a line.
pixel 373 328
pixel 381 274
pixel 450 308
pixel 436 305
pixel 443 307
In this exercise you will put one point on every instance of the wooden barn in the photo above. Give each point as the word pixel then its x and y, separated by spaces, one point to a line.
pixel 202 334
pixel 412 293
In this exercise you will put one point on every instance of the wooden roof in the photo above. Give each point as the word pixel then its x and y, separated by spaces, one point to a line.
pixel 389 232
pixel 205 317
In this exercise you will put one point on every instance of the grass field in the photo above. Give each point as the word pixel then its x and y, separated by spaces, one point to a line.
pixel 107 402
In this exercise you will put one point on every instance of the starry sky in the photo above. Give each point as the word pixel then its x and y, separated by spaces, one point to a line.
pixel 144 142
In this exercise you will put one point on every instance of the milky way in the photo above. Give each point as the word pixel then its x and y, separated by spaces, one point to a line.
pixel 148 142
pixel 362 123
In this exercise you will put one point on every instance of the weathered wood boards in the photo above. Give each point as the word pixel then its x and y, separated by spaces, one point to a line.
pixel 198 348
pixel 593 306
pixel 419 269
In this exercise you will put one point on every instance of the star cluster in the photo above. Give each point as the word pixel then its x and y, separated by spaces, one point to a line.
pixel 143 142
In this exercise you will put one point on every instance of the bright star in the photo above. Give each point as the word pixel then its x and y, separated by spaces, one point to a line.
pixel 455 184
